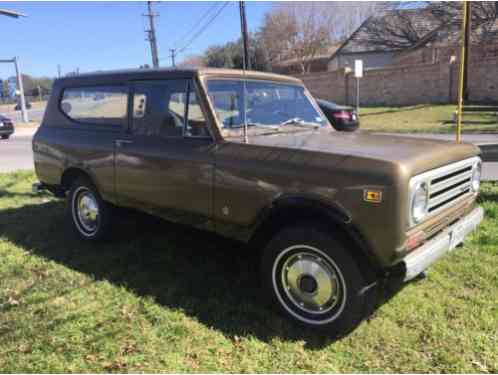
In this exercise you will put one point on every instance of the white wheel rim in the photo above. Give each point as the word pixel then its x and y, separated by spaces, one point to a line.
pixel 325 290
pixel 85 211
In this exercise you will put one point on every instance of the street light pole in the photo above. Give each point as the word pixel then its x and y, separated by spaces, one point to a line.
pixel 13 14
pixel 21 90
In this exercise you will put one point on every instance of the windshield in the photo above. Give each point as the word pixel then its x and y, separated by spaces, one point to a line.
pixel 268 105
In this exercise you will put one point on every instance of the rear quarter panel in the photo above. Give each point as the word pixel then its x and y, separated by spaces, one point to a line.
pixel 61 143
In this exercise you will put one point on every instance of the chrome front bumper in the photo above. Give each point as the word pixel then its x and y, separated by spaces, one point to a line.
pixel 421 258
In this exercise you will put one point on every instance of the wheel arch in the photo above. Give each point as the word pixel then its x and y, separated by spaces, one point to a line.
pixel 291 210
pixel 71 174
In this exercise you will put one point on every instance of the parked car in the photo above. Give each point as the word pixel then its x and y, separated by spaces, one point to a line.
pixel 335 215
pixel 18 106
pixel 342 118
pixel 6 127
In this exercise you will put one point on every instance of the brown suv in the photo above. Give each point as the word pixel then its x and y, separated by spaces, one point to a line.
pixel 250 156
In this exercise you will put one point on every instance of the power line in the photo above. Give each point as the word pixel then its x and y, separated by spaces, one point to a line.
pixel 196 24
pixel 201 30
pixel 175 51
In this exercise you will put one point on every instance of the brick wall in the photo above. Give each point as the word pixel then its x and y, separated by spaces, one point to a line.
pixel 483 80
pixel 407 84
pixel 442 54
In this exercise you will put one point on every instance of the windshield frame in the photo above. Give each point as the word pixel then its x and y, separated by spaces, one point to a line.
pixel 239 131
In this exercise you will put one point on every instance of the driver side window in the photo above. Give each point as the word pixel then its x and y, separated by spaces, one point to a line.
pixel 159 108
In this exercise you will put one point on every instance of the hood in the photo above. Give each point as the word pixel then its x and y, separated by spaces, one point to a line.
pixel 416 155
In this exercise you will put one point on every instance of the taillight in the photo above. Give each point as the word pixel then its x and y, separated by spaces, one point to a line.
pixel 342 115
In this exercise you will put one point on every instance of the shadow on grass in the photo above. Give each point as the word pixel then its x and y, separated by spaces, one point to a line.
pixel 486 196
pixel 210 278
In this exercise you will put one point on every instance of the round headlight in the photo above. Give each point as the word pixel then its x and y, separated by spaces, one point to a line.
pixel 420 200
pixel 476 177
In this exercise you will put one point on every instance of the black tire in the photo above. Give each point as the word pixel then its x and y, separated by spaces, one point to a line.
pixel 5 136
pixel 338 316
pixel 96 227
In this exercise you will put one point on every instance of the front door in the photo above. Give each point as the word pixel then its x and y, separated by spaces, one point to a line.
pixel 164 165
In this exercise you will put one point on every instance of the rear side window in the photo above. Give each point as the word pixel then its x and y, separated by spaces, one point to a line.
pixel 101 105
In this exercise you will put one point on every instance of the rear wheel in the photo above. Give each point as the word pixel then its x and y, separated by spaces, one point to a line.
pixel 311 277
pixel 89 214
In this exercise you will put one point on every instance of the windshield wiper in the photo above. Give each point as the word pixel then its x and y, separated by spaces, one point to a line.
pixel 297 121
pixel 257 125
pixel 263 126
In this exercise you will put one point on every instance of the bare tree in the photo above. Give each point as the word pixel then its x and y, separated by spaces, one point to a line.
pixel 277 33
pixel 297 31
pixel 192 61
pixel 348 16
pixel 303 30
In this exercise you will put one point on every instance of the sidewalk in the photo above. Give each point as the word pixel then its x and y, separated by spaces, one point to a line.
pixel 25 130
pixel 477 139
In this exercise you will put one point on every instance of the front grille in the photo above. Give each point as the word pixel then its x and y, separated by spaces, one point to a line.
pixel 447 184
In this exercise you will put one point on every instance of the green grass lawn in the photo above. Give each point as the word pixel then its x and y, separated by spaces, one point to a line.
pixel 424 119
pixel 166 299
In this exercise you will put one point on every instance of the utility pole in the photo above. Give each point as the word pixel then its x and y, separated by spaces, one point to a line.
pixel 172 54
pixel 461 83
pixel 58 70
pixel 243 26
pixel 468 17
pixel 151 35
pixel 21 90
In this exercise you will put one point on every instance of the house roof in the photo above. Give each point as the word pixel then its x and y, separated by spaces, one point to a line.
pixel 425 26
pixel 451 35
pixel 325 55
pixel 421 22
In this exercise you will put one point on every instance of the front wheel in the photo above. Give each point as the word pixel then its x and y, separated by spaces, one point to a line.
pixel 5 136
pixel 89 214
pixel 312 279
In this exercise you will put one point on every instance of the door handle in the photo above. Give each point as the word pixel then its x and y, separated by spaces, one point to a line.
pixel 121 142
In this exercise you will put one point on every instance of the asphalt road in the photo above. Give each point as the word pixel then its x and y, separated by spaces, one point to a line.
pixel 16 153
pixel 33 115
